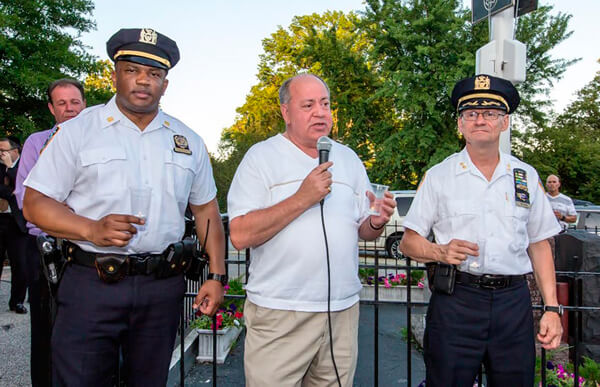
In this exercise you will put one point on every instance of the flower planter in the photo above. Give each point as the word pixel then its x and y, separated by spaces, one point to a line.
pixel 225 338
pixel 395 293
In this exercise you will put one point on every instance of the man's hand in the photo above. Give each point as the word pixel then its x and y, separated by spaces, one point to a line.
pixel 455 252
pixel 550 330
pixel 113 230
pixel 6 159
pixel 388 205
pixel 209 297
pixel 316 185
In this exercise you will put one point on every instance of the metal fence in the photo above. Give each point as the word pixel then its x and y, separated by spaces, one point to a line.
pixel 375 256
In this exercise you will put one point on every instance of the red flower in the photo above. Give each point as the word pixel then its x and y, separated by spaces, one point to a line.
pixel 238 314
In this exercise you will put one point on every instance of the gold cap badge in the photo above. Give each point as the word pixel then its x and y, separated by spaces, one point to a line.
pixel 148 35
pixel 482 82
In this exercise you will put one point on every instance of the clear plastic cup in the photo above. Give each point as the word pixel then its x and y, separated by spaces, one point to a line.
pixel 140 204
pixel 379 191
pixel 475 264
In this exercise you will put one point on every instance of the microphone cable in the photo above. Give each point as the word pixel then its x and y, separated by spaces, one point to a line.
pixel 337 375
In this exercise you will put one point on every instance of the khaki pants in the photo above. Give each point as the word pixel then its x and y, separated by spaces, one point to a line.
pixel 288 348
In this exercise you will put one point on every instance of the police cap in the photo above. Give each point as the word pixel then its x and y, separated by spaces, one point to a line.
pixel 485 92
pixel 144 46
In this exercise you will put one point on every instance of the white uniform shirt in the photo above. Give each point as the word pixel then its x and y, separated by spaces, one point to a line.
pixel 289 271
pixel 94 159
pixel 564 205
pixel 456 201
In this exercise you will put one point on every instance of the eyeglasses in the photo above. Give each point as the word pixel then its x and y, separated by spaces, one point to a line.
pixel 488 115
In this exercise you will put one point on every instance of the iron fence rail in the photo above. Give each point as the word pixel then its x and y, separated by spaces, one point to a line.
pixel 375 253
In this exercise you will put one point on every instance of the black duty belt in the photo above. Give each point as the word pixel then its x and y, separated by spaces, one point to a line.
pixel 488 281
pixel 144 264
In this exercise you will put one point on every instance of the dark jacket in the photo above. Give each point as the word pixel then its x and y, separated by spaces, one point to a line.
pixel 6 193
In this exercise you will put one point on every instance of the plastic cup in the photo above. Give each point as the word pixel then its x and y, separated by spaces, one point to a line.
pixel 379 191
pixel 473 264
pixel 140 204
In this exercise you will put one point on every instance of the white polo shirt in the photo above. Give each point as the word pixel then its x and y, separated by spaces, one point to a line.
pixel 93 160
pixel 289 271
pixel 456 201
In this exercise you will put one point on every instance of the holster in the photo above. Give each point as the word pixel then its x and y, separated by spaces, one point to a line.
pixel 111 268
pixel 444 277
pixel 178 258
pixel 198 261
pixel 52 261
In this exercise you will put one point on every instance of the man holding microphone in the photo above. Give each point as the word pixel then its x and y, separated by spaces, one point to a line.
pixel 301 248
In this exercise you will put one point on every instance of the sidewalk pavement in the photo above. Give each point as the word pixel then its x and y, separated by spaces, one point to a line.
pixel 14 340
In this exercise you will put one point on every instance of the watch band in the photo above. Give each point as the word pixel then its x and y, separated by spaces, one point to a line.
pixel 557 309
pixel 222 278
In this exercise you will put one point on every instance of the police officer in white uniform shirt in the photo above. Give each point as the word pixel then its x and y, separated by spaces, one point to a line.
pixel 486 209
pixel 117 290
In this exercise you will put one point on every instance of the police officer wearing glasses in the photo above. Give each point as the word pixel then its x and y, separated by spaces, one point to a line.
pixel 491 220
pixel 123 285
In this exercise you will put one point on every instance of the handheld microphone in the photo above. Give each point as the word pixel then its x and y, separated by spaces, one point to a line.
pixel 323 146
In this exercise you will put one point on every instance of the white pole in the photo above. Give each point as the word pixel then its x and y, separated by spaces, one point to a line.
pixel 502 29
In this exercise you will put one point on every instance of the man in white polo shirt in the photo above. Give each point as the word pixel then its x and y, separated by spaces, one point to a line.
pixel 274 208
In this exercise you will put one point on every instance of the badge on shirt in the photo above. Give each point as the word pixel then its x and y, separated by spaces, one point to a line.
pixel 181 144
pixel 521 190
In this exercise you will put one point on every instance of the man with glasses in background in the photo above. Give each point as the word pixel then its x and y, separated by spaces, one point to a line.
pixel 12 224
pixel 491 220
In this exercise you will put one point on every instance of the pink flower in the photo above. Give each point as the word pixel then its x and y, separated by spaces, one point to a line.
pixel 421 285
pixel 386 283
pixel 402 275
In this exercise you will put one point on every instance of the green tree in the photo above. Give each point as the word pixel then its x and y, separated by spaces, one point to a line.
pixel 423 47
pixel 98 84
pixel 329 45
pixel 570 145
pixel 40 42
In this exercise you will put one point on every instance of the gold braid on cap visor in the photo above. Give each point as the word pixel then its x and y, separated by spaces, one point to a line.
pixel 484 95
pixel 143 55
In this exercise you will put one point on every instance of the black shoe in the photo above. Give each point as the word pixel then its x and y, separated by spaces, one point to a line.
pixel 19 309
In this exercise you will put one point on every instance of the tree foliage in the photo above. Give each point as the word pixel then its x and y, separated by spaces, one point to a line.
pixel 391 70
pixel 40 42
pixel 98 84
pixel 570 145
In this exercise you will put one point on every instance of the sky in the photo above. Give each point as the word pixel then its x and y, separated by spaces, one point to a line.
pixel 220 43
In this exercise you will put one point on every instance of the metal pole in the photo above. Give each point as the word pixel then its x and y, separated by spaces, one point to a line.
pixel 577 315
pixel 181 345
pixel 376 322
pixel 408 324
pixel 214 335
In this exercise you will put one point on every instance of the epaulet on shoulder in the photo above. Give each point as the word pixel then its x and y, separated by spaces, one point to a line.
pixel 453 155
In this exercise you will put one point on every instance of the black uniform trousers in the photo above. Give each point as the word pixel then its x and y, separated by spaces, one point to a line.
pixel 140 314
pixel 12 242
pixel 40 313
pixel 475 326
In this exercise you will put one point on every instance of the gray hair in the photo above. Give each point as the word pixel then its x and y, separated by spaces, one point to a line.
pixel 284 90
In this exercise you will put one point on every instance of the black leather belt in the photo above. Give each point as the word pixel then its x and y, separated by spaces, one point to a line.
pixel 144 264
pixel 488 281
